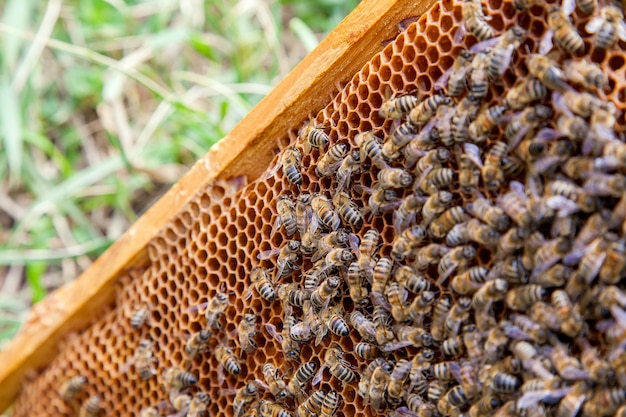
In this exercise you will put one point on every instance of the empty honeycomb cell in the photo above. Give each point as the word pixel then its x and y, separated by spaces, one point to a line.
pixel 433 55
pixel 598 55
pixel 616 62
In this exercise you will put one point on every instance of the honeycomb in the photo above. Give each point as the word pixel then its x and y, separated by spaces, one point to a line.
pixel 574 353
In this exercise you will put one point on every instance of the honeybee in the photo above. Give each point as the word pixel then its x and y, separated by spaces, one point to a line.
pixel 475 20
pixel 615 262
pixel 395 388
pixel 332 159
pixel 335 322
pixel 399 139
pixel 312 136
pixel 398 107
pixel 333 240
pixel 197 343
pixel 427 108
pixel 312 405
pixel 421 306
pixel 469 281
pixel 469 175
pixel 179 401
pixel 215 308
pixel 91 407
pixel 453 346
pixel 524 121
pixel 274 382
pixel 292 294
pixel 382 272
pixel 198 405
pixel 458 314
pixel 339 367
pixel 72 387
pixel 529 357
pixel 501 54
pixel 396 297
pixel 418 407
pixel 324 213
pixel 370 146
pixel 524 93
pixel 410 336
pixel 573 192
pixel 434 206
pixel 349 166
pixel 565 34
pixel 290 346
pixel 149 412
pixel 457 258
pixel 322 295
pixel 368 351
pixel 365 327
pixel 244 397
pixel 407 278
pixel 312 324
pixel 286 217
pixel 330 404
pixel 490 292
pixel 513 204
pixel 452 400
pixel 588 268
pixel 520 298
pixel 300 378
pixel 142 358
pixel 286 261
pixel 227 360
pixel 394 178
pixel 429 255
pixel 436 179
pixel 140 316
pixel 347 209
pixel 534 330
pixel 176 379
pixel 485 121
pixel 290 162
pixel 489 403
pixel 588 74
pixel 260 279
pixel 366 250
pixel 604 402
pixel 570 321
pixel 456 75
pixel 465 112
pixel 304 212
pixel 406 212
pixel 246 330
pixel 405 243
pixel 382 201
pixel 382 320
pixel 358 292
pixel 270 409
pixel 608 27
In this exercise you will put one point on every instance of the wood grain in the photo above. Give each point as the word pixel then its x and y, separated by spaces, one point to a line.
pixel 245 151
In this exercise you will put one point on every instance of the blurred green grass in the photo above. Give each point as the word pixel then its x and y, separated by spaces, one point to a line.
pixel 105 104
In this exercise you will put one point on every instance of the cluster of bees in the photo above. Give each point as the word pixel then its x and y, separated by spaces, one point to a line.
pixel 500 289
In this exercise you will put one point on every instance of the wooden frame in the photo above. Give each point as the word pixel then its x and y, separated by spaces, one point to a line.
pixel 244 151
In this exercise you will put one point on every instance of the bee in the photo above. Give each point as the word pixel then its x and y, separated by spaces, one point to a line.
pixel 285 263
pixel 270 409
pixel 333 240
pixel 604 402
pixel 398 107
pixel 458 314
pixel 573 192
pixel 588 74
pixel 469 175
pixel 290 162
pixel 312 405
pixel 286 215
pixel 588 268
pixel 605 185
pixel 382 272
pixel 478 82
pixel 433 158
pixel 349 166
pixel 197 343
pixel 72 387
pixel 418 407
pixel 608 27
pixel 536 331
pixel 504 383
pixel 358 292
pixel 406 212
pixel 142 358
pixel 465 112
pixel 139 317
pixel 244 397
pixel 410 336
pixel 290 347
pixel 330 404
pixel 434 206
pixel 501 54
pixel 520 298
pixel 407 278
pixel 274 382
pixel 427 108
pixel 444 371
pixel 524 93
pixel 382 201
pixel 570 321
pixel 457 258
pixel 399 139
pixel 405 243
pixel 313 137
pixel 565 34
pixel 382 321
pixel 176 379
pixel 583 167
pixel 149 412
pixel 180 402
pixel 368 351
pixel 513 204
pixel 91 407
pixel 365 327
pixel 370 146
pixel 454 399
pixel 524 121
pixel 435 180
pixel 312 324
pixel 335 321
pixel 198 405
pixel 304 212
pixel 300 378
pixel 429 255
pixel 324 213
pixel 475 20
pixel 490 292
pixel 347 209
pixel 215 308
pixel 394 178
pixel 489 403
pixel 338 258
pixel 455 76
pixel 615 262
pixel 246 330
pixel 366 251
pixel 260 279
pixel 322 295
pixel 421 306
pixel 227 359
pixel 378 382
pixel 469 281
pixel 453 346
pixel 395 388
pixel 436 389
pixel 292 294
pixel 397 297
pixel 529 357
pixel 485 121
pixel 339 367
pixel 331 160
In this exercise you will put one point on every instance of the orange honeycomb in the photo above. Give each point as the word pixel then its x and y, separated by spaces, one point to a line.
pixel 214 244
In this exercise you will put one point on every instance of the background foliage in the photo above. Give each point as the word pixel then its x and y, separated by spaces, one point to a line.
pixel 105 104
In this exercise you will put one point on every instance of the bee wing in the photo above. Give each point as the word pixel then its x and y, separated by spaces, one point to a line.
pixel 486 45
pixel 518 188
pixel 361 189
pixel 459 34
pixel 262 384
pixel 320 335
pixel 473 153
pixel 354 243
pixel 226 391
pixel 506 59
pixel 443 277
pixel 126 366
pixel 393 346
pixel 181 413
pixel 546 134
pixel 594 25
pixel 318 376
pixel 277 223
pixel 271 330
pixel 545 45
pixel 266 254
pixel 274 169
pixel 532 398
pixel 621 30
pixel 564 206
pixel 195 309
pixel 568 6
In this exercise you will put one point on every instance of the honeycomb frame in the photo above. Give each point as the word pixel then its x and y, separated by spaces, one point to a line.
pixel 217 237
